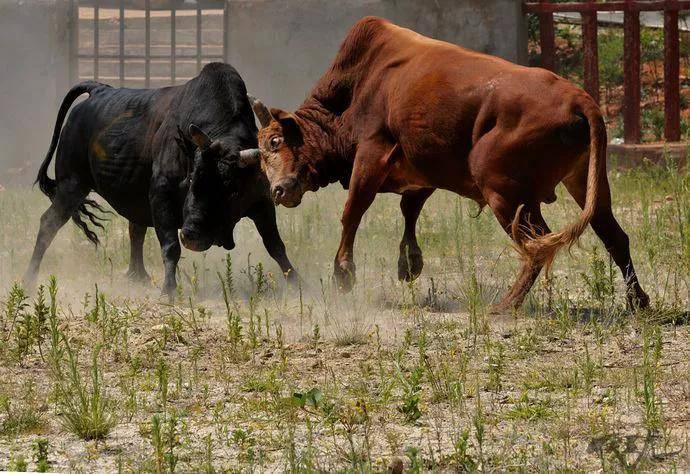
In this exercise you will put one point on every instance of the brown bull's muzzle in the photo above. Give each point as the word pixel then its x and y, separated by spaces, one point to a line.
pixel 287 192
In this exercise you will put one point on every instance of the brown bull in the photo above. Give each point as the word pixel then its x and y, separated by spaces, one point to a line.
pixel 399 112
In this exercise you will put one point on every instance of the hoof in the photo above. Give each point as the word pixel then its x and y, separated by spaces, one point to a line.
pixel 169 292
pixel 344 276
pixel 410 264
pixel 139 276
pixel 504 307
pixel 29 282
pixel 498 309
pixel 292 278
pixel 638 301
pixel 167 297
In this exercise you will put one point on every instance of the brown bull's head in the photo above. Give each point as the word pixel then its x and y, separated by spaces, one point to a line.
pixel 280 139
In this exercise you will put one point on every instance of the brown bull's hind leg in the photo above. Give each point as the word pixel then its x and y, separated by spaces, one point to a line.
pixel 372 165
pixel 612 235
pixel 410 261
pixel 531 223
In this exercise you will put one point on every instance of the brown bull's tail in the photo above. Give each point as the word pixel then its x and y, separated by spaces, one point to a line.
pixel 541 250
pixel 45 183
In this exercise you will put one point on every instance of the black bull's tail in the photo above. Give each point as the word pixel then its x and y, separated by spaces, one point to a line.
pixel 48 185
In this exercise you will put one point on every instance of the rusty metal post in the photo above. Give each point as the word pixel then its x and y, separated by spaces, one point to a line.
pixel 631 81
pixel 591 52
pixel 671 73
pixel 547 39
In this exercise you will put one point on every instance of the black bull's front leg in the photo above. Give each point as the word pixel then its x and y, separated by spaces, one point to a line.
pixel 165 212
pixel 264 217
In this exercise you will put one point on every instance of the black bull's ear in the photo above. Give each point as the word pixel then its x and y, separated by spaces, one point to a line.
pixel 199 137
pixel 185 144
pixel 249 157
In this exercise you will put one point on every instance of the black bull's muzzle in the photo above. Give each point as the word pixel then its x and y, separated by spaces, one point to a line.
pixel 197 241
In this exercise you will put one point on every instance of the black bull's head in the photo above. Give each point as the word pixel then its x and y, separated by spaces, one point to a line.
pixel 215 179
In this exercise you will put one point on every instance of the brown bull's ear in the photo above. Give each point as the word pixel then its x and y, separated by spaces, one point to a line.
pixel 289 124
pixel 199 137
pixel 283 116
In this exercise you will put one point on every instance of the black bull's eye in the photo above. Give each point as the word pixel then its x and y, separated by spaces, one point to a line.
pixel 228 171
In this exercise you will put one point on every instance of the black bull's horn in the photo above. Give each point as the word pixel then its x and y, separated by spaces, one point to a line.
pixel 249 157
pixel 260 110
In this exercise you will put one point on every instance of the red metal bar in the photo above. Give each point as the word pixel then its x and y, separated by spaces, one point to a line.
pixel 591 53
pixel 616 5
pixel 671 76
pixel 547 39
pixel 631 81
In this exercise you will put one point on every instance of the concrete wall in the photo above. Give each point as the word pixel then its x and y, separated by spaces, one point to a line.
pixel 34 76
pixel 281 47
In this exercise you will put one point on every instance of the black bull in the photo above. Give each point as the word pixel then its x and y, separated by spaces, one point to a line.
pixel 124 144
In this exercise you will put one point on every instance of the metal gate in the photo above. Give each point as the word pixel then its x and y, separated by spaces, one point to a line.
pixel 631 54
pixel 145 43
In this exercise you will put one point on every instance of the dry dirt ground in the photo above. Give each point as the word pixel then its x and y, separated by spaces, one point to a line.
pixel 394 376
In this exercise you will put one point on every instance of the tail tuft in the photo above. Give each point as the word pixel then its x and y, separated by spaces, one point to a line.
pixel 540 250
pixel 87 209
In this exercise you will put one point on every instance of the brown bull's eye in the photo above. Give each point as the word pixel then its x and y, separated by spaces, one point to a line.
pixel 275 142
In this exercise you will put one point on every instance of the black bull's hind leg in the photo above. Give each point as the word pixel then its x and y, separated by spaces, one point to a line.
pixel 69 196
pixel 410 261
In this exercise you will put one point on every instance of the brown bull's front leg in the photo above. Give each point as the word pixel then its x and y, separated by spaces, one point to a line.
pixel 372 165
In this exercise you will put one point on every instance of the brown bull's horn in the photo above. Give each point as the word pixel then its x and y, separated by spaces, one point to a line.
pixel 249 157
pixel 260 110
